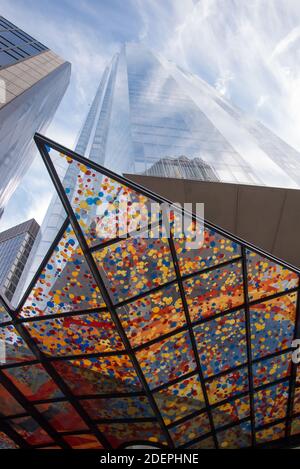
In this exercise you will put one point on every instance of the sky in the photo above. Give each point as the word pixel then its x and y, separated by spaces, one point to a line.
pixel 249 50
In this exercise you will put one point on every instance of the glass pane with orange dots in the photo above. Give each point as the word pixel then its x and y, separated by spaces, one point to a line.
pixel 268 434
pixel 13 347
pixel 153 315
pixel 190 430
pixel 295 429
pixel 133 432
pixel 6 442
pixel 212 249
pixel 167 360
pixel 272 369
pixel 273 325
pixel 102 375
pixel 73 335
pixel 83 441
pixel 65 284
pixel 135 266
pixel 62 416
pixel 271 403
pixel 180 399
pixel 104 208
pixel 118 407
pixel 34 382
pixel 296 404
pixel 221 343
pixel 227 386
pixel 231 412
pixel 215 291
pixel 235 437
pixel 266 278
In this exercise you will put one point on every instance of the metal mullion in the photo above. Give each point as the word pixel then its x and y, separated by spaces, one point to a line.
pixel 187 418
pixel 208 379
pixel 273 297
pixel 219 430
pixel 14 416
pixel 192 336
pixel 175 381
pixel 86 397
pixel 271 424
pixel 206 270
pixel 144 294
pixel 56 378
pixel 293 376
pixel 32 411
pixel 42 265
pixel 79 356
pixel 13 435
pixel 248 343
pixel 60 315
pixel 8 366
pixel 272 355
pixel 127 420
pixel 111 242
pixel 160 338
pixel 40 139
pixel 94 270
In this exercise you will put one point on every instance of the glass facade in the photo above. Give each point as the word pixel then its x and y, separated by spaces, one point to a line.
pixel 15 246
pixel 32 85
pixel 146 339
pixel 15 44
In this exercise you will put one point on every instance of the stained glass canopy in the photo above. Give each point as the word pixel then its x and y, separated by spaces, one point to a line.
pixel 121 340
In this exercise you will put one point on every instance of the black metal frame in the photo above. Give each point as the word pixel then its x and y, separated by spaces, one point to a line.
pixel 47 361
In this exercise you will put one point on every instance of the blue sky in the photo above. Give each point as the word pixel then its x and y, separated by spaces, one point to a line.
pixel 248 49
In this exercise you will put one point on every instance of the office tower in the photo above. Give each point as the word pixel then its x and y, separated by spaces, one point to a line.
pixel 147 111
pixel 33 80
pixel 15 247
pixel 151 109
pixel 182 168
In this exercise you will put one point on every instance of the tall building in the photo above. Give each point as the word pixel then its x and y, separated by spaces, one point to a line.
pixel 151 109
pixel 147 113
pixel 182 168
pixel 15 247
pixel 33 80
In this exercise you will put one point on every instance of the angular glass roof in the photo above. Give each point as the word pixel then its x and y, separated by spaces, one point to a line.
pixel 123 339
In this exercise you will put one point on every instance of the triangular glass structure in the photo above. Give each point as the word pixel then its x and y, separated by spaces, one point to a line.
pixel 130 336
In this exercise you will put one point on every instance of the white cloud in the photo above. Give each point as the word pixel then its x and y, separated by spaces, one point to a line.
pixel 255 43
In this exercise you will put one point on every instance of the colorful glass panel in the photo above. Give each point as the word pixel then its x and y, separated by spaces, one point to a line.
pixel 221 343
pixel 151 316
pixel 273 325
pixel 213 292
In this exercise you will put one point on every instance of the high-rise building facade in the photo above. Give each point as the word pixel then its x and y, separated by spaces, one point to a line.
pixel 33 80
pixel 151 109
pixel 15 247
pixel 150 117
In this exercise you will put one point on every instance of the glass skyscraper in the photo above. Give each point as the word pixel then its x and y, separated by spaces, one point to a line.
pixel 149 117
pixel 33 80
pixel 15 246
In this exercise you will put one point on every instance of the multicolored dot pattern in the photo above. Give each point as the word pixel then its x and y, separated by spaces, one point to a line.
pixel 147 338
